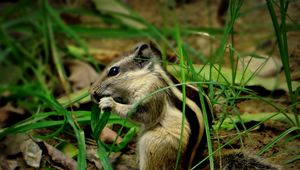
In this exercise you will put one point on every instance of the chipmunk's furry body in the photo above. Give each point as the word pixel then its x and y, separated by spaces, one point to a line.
pixel 137 78
pixel 136 86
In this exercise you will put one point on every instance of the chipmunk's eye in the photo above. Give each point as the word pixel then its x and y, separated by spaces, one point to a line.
pixel 113 71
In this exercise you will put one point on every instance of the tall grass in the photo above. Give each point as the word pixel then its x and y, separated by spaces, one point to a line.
pixel 32 38
pixel 282 42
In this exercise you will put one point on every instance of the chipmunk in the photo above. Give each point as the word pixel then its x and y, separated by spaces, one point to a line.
pixel 127 81
pixel 137 87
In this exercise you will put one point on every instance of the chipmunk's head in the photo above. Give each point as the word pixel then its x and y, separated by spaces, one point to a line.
pixel 126 74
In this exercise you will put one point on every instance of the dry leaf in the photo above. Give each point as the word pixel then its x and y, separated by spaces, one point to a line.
pixel 11 144
pixel 59 157
pixel 81 74
pixel 17 163
pixel 31 152
pixel 108 136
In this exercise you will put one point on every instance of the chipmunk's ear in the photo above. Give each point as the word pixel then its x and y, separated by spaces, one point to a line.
pixel 145 53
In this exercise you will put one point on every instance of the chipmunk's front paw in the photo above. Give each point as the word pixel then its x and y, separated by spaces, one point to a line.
pixel 107 104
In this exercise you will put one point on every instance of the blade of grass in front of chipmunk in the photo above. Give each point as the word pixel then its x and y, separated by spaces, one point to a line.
pixel 103 156
pixel 104 117
pixel 98 121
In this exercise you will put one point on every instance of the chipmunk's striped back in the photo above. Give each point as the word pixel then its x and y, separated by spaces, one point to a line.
pixel 137 78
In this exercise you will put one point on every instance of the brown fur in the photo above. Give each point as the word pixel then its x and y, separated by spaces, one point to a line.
pixel 142 91
pixel 133 93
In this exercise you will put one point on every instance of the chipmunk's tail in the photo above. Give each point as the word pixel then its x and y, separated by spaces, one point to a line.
pixel 242 161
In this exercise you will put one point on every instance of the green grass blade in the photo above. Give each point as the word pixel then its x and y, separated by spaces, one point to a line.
pixel 274 141
pixel 283 47
pixel 34 91
pixel 98 122
pixel 183 80
pixel 103 156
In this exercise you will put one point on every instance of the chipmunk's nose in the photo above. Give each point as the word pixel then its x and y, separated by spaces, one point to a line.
pixel 95 97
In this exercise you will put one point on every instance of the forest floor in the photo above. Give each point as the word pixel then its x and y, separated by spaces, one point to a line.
pixel 254 33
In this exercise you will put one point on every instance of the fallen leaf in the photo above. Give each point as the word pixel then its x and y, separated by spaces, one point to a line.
pixel 58 156
pixel 108 136
pixel 17 163
pixel 18 151
pixel 81 74
pixel 11 144
pixel 31 152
